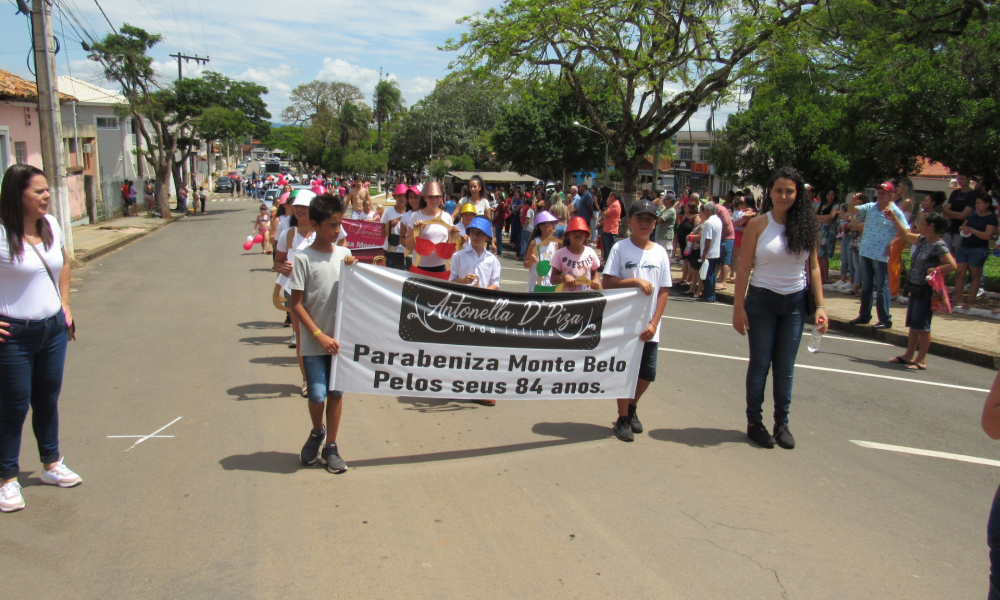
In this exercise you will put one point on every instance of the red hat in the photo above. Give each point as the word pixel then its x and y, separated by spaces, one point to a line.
pixel 577 224
pixel 527 194
pixel 889 187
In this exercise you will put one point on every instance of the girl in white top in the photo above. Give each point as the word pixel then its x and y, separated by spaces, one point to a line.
pixel 770 304
pixel 34 319
pixel 297 237
pixel 430 209
pixel 545 226
pixel 369 210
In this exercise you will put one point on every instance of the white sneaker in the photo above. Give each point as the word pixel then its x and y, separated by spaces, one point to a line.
pixel 61 475
pixel 292 342
pixel 10 497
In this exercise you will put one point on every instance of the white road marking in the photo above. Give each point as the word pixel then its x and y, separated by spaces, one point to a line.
pixel 934 453
pixel 143 438
pixel 840 371
pixel 827 336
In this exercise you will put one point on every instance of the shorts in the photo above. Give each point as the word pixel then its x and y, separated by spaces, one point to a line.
pixel 318 378
pixel 694 259
pixel 919 312
pixel 560 231
pixel 726 252
pixel 647 364
pixel 974 257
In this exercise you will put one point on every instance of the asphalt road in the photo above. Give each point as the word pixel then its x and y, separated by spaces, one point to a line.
pixel 533 499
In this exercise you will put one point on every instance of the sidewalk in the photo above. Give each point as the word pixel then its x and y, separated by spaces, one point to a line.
pixel 94 241
pixel 971 338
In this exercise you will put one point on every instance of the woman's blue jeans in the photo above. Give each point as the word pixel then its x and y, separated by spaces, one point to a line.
pixel 776 323
pixel 31 373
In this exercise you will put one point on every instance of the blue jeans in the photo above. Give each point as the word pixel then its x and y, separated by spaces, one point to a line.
pixel 993 540
pixel 874 277
pixel 498 237
pixel 31 374
pixel 525 240
pixel 708 289
pixel 607 240
pixel 318 378
pixel 776 323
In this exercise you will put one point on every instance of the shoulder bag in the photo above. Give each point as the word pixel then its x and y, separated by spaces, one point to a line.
pixel 71 329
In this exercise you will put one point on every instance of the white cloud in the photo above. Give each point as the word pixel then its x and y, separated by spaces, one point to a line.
pixel 416 88
pixel 336 69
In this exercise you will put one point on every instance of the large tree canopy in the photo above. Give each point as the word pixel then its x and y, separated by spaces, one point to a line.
pixel 666 59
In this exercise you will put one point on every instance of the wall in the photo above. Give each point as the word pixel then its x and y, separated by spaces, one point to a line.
pixel 22 121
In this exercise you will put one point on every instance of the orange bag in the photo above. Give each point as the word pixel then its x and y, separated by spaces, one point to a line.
pixel 895 266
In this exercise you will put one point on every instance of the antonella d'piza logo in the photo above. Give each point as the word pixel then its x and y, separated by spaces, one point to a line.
pixel 440 312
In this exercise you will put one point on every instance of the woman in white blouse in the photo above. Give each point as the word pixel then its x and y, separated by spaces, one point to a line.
pixel 34 320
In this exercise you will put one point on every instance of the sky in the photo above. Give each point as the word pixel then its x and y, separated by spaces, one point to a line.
pixel 278 44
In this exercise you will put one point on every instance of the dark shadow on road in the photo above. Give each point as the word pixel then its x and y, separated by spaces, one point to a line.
pixel 571 433
pixel 434 405
pixel 260 270
pixel 263 340
pixel 281 463
pixel 265 391
pixel 882 364
pixel 700 437
pixel 261 325
pixel 276 361
pixel 201 217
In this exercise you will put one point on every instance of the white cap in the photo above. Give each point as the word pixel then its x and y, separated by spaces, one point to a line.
pixel 304 198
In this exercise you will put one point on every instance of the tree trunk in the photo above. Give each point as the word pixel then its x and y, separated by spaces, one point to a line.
pixel 630 175
pixel 177 168
pixel 162 171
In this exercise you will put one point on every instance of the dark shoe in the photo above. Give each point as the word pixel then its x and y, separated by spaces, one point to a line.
pixel 310 452
pixel 859 321
pixel 704 299
pixel 623 429
pixel 331 457
pixel 758 433
pixel 880 325
pixel 634 422
pixel 783 437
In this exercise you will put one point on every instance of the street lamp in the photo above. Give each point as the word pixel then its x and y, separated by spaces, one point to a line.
pixel 607 142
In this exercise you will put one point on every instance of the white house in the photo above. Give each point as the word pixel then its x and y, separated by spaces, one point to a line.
pixel 116 137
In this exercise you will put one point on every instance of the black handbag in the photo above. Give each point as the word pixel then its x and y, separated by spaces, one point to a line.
pixel 915 292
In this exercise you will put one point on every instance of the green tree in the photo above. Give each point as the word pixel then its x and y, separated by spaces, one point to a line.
pixel 648 48
pixel 387 101
pixel 307 99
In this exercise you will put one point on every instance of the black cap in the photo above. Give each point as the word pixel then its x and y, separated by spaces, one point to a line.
pixel 642 207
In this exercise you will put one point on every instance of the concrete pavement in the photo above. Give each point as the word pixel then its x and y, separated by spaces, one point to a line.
pixel 531 499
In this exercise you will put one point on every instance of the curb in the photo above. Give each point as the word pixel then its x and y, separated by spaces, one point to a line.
pixel 969 355
pixel 79 261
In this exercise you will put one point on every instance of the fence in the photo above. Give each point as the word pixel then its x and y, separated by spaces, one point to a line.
pixel 111 204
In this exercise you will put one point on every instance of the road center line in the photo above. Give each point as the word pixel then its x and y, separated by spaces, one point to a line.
pixel 840 371
pixel 934 453
pixel 827 336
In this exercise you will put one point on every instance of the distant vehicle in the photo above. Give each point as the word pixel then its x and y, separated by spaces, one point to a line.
pixel 271 195
pixel 232 174
pixel 223 184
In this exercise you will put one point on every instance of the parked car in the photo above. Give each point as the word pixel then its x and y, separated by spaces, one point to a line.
pixel 271 195
pixel 223 184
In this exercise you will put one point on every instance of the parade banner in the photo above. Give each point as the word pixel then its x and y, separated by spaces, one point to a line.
pixel 406 335
pixel 363 235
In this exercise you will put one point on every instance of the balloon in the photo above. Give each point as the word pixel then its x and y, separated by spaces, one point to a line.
pixel 247 245
pixel 318 189
pixel 258 239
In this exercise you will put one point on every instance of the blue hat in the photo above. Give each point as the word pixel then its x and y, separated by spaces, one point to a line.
pixel 482 224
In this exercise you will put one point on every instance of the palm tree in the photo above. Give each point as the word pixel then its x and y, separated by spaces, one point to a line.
pixel 387 101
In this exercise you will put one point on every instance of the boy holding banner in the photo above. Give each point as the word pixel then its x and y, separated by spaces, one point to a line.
pixel 638 262
pixel 314 280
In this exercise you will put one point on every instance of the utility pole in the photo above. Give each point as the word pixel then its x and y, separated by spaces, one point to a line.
pixel 181 59
pixel 50 116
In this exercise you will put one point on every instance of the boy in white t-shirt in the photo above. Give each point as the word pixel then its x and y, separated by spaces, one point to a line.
pixel 476 265
pixel 639 262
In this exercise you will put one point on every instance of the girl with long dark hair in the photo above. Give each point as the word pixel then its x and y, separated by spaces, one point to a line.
pixel 770 305
pixel 34 321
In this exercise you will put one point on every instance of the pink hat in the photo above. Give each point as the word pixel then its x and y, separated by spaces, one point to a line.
pixel 400 190
pixel 414 189
pixel 544 217
pixel 889 187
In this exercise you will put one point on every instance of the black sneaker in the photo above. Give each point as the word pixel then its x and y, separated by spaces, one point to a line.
pixel 623 430
pixel 310 452
pixel 859 321
pixel 783 437
pixel 331 457
pixel 882 325
pixel 758 433
pixel 634 419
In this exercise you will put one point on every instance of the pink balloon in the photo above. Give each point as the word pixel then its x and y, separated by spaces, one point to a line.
pixel 318 189
pixel 247 245
pixel 258 239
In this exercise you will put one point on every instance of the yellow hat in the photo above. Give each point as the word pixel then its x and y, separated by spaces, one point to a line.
pixel 468 207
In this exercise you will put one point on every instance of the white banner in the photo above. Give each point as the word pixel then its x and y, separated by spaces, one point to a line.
pixel 405 335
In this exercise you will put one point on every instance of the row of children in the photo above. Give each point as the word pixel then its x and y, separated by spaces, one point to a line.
pixel 313 272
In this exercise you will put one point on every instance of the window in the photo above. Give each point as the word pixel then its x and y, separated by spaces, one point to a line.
pixel 685 154
pixel 21 153
pixel 106 122
pixel 703 155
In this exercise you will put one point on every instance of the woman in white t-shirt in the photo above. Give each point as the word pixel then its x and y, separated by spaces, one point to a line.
pixel 298 236
pixel 435 233
pixel 770 304
pixel 34 320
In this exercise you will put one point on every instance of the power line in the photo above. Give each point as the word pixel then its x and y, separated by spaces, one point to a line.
pixel 106 17
pixel 204 38
pixel 187 11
